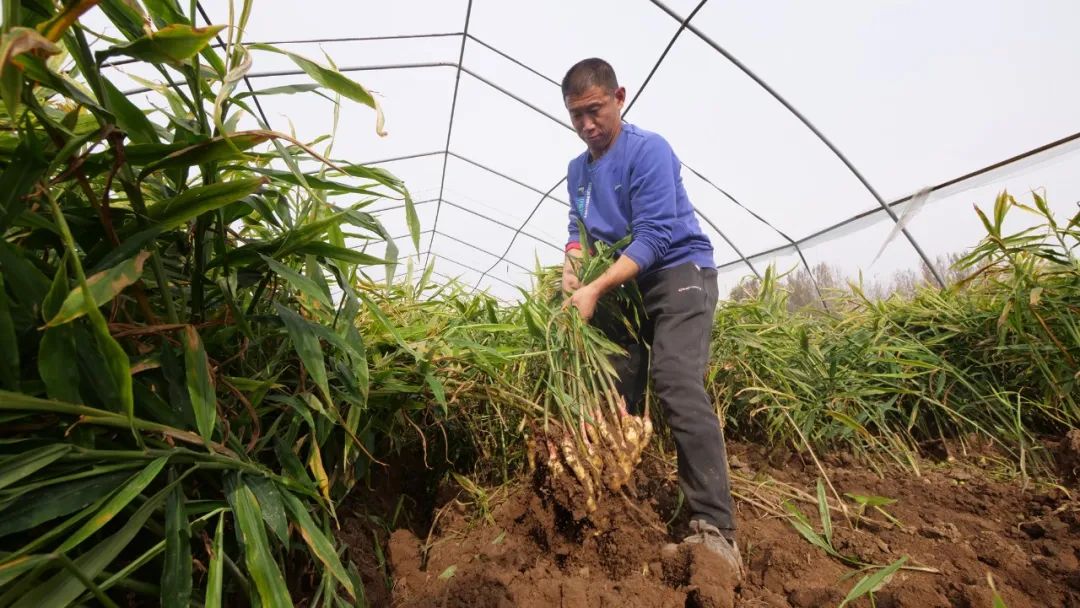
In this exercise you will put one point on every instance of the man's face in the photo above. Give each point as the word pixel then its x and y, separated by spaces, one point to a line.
pixel 596 116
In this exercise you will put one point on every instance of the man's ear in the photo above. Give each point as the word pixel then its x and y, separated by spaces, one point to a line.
pixel 620 95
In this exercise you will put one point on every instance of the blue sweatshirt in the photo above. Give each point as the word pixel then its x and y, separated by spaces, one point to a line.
pixel 636 187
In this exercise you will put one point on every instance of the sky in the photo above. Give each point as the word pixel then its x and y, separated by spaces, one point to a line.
pixel 914 93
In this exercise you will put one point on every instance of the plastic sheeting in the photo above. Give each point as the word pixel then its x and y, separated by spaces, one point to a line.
pixel 913 93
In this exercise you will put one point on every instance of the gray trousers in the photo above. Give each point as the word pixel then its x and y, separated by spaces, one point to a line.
pixel 679 306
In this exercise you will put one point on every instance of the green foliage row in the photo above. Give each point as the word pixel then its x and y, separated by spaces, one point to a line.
pixel 993 355
pixel 183 381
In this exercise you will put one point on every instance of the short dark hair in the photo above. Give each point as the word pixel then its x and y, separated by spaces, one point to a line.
pixel 587 73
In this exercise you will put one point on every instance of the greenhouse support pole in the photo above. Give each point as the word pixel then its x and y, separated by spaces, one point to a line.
pixel 450 128
pixel 809 125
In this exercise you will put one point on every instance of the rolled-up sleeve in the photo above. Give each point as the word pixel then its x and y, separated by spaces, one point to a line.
pixel 652 203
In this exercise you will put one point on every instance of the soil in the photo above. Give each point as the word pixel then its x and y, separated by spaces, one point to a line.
pixel 1068 456
pixel 523 549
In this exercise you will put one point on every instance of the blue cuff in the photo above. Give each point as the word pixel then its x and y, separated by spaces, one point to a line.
pixel 641 253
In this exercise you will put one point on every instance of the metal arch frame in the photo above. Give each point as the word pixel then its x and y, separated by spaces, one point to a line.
pixel 247 81
pixel 482 250
pixel 503 224
pixel 447 277
pixel 813 129
pixel 798 250
pixel 466 159
pixel 426 201
pixel 450 129
pixel 463 242
pixel 886 207
pixel 506 177
pixel 745 259
pixel 495 86
pixel 453 261
pixel 900 201
pixel 511 59
pixel 219 44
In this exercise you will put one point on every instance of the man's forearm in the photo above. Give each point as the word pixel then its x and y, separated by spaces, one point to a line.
pixel 620 272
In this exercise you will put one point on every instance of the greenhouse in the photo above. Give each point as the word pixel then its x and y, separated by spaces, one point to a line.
pixel 284 315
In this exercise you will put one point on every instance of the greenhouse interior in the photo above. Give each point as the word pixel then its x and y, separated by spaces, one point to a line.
pixel 285 314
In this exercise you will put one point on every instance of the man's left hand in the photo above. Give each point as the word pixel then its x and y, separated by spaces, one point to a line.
pixel 585 299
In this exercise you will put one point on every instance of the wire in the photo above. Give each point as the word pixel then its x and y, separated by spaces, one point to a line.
pixel 450 128
pixel 813 129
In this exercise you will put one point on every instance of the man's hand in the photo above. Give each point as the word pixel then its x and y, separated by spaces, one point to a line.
pixel 570 282
pixel 586 296
pixel 585 299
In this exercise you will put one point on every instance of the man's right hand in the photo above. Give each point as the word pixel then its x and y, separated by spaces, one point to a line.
pixel 570 282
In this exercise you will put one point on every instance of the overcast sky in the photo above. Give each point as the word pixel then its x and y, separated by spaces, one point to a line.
pixel 914 93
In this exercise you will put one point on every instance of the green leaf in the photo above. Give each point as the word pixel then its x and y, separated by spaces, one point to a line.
pixel 215 573
pixel 11 85
pixel 282 90
pixel 386 324
pixel 272 509
pixel 329 78
pixel 129 117
pixel 802 526
pixel 258 558
pixel 216 149
pixel 314 271
pixel 449 573
pixel 200 386
pixel 360 363
pixel 327 250
pixel 25 167
pixel 872 583
pixel 13 568
pixel 54 28
pixel 64 587
pixel 26 282
pixel 437 390
pixel 15 42
pixel 39 506
pixel 300 282
pixel 104 286
pixel 165 12
pixel 9 344
pixel 307 347
pixel 413 221
pixel 312 179
pixel 115 504
pixel 114 380
pixel 58 290
pixel 173 44
pixel 318 542
pixel 201 199
pixel 291 465
pixel 823 512
pixel 17 467
pixel 176 573
pixel 173 212
pixel 996 599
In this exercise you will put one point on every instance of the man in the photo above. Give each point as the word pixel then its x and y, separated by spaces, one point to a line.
pixel 629 182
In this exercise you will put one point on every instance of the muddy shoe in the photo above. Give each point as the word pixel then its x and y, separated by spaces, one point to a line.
pixel 710 537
